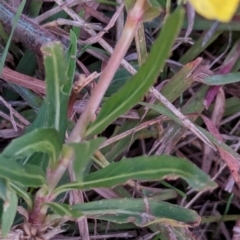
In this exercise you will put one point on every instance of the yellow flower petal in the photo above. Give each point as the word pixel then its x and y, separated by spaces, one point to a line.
pixel 221 10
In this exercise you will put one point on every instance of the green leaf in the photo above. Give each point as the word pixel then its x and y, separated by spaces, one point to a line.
pixel 30 97
pixel 222 79
pixel 56 69
pixel 28 175
pixel 159 193
pixel 120 78
pixel 112 151
pixel 153 168
pixel 145 169
pixel 83 152
pixel 4 185
pixel 177 85
pixel 196 49
pixel 41 119
pixel 64 210
pixel 162 110
pixel 34 8
pixel 15 21
pixel 152 9
pixel 9 212
pixel 27 65
pixel 44 140
pixel 71 54
pixel 22 192
pixel 141 212
pixel 135 88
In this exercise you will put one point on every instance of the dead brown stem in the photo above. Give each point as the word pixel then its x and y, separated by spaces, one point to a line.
pixel 22 80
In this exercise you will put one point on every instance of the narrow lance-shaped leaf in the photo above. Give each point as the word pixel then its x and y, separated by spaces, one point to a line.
pixel 64 210
pixel 28 175
pixel 15 21
pixel 162 110
pixel 144 169
pixel 120 78
pixel 141 212
pixel 83 152
pixel 71 54
pixel 41 119
pixel 221 79
pixel 22 192
pixel 4 185
pixel 56 69
pixel 9 212
pixel 135 88
pixel 44 140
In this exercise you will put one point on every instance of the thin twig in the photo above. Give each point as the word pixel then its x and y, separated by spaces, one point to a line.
pixel 4 115
pixel 14 112
pixel 96 38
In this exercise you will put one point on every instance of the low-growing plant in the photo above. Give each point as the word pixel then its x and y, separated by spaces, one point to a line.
pixel 52 159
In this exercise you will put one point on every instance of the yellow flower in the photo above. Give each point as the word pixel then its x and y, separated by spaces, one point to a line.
pixel 221 10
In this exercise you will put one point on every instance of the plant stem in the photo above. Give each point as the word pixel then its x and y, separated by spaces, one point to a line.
pixel 133 19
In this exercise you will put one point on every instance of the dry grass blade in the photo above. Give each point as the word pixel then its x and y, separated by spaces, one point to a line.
pixel 96 38
pixel 132 131
pixel 185 121
pixel 13 113
pixel 34 84
pixel 216 118
pixel 231 161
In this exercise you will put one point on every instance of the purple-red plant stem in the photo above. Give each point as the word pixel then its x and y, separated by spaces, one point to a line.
pixel 77 197
pixel 39 212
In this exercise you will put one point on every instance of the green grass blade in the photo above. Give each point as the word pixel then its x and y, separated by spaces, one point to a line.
pixel 40 140
pixel 19 11
pixel 222 79
pixel 23 194
pixel 71 54
pixel 83 152
pixel 10 209
pixel 28 175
